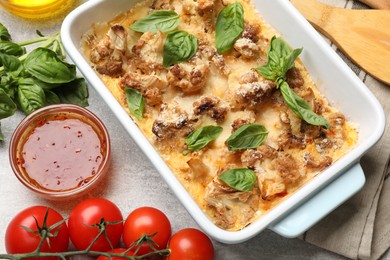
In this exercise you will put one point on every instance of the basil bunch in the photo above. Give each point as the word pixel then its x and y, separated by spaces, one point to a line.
pixel 280 59
pixel 201 137
pixel 161 20
pixel 241 179
pixel 41 77
pixel 229 26
pixel 135 102
pixel 247 137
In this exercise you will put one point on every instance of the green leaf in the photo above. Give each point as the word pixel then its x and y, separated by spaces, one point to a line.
pixel 179 46
pixel 202 137
pixel 11 48
pixel 75 92
pixel 30 96
pixel 247 137
pixel 281 58
pixel 241 179
pixel 229 26
pixel 10 63
pixel 51 98
pixel 301 108
pixel 161 20
pixel 4 34
pixel 135 102
pixel 7 105
pixel 45 65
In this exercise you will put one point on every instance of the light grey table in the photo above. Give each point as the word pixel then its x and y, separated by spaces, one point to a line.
pixel 132 180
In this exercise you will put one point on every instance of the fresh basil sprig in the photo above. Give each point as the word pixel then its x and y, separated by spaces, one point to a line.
pixel 241 179
pixel 229 26
pixel 280 59
pixel 202 137
pixel 135 102
pixel 179 46
pixel 247 137
pixel 41 77
pixel 161 20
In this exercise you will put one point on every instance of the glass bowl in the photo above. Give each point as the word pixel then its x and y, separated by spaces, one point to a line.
pixel 60 151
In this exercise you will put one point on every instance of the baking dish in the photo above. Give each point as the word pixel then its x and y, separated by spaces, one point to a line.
pixel 333 78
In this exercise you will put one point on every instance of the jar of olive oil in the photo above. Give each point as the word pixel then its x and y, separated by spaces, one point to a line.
pixel 37 9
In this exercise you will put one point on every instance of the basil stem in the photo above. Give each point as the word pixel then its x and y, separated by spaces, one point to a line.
pixel 161 20
pixel 241 179
pixel 202 137
pixel 247 137
pixel 229 26
pixel 280 59
pixel 135 102
pixel 179 46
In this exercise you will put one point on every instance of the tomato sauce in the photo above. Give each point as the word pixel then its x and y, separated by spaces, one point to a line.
pixel 61 154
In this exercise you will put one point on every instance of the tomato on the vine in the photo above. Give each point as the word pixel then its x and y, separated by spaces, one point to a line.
pixel 116 251
pixel 147 221
pixel 91 216
pixel 23 235
pixel 190 244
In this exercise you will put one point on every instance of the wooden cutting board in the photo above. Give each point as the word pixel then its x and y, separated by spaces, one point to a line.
pixel 363 35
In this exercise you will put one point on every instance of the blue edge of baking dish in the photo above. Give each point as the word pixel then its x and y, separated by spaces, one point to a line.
pixel 321 204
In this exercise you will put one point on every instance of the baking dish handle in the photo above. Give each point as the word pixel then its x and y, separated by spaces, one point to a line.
pixel 322 203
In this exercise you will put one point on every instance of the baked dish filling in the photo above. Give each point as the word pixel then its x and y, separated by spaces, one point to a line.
pixel 223 99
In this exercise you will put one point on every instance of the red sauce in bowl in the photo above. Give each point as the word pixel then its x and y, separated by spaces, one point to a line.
pixel 61 153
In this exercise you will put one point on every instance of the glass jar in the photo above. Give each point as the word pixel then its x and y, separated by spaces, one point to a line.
pixel 38 9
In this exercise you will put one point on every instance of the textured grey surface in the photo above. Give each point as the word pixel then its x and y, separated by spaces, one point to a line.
pixel 132 180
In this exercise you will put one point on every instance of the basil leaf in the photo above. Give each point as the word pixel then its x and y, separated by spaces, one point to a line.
pixel 301 108
pixel 11 48
pixel 75 92
pixel 7 106
pixel 280 59
pixel 30 96
pixel 229 26
pixel 45 65
pixel 247 137
pixel 4 34
pixel 179 46
pixel 161 20
pixel 10 63
pixel 202 137
pixel 51 98
pixel 241 179
pixel 135 102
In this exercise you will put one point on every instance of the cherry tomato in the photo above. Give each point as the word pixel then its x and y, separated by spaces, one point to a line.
pixel 116 251
pixel 88 218
pixel 18 239
pixel 190 244
pixel 147 221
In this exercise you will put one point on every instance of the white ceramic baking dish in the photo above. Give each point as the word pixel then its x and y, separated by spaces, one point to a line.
pixel 332 76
